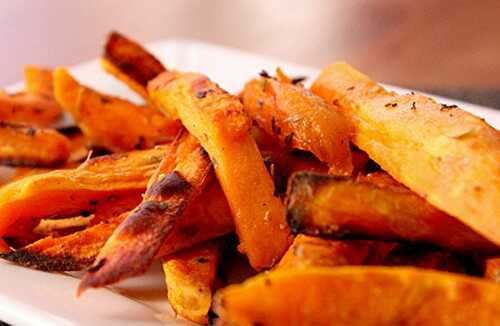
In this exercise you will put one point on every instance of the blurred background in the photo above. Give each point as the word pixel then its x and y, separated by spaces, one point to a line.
pixel 449 47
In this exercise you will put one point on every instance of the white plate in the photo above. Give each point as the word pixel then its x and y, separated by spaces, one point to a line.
pixel 30 297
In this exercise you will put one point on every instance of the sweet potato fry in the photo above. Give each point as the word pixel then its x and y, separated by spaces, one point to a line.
pixel 206 218
pixel 21 145
pixel 110 122
pixel 444 154
pixel 307 251
pixel 29 108
pixel 39 81
pixel 300 119
pixel 183 174
pixel 4 248
pixel 359 296
pixel 130 62
pixel 190 276
pixel 71 191
pixel 218 121
pixel 492 269
pixel 340 206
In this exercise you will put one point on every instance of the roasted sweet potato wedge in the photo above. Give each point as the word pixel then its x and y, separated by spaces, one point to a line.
pixel 130 62
pixel 110 122
pixel 21 145
pixel 301 120
pixel 359 296
pixel 307 251
pixel 492 269
pixel 444 154
pixel 206 218
pixel 190 276
pixel 4 248
pixel 38 80
pixel 71 191
pixel 33 109
pixel 183 174
pixel 218 121
pixel 342 206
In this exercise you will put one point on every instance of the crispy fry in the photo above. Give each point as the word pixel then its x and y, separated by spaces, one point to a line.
pixel 339 206
pixel 218 121
pixel 206 218
pixel 359 296
pixel 71 191
pixel 111 122
pixel 39 81
pixel 130 62
pixel 307 251
pixel 183 174
pixel 21 145
pixel 29 108
pixel 190 276
pixel 444 154
pixel 50 226
pixel 300 119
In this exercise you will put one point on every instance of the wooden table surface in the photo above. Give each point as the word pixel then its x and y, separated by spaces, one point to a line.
pixel 447 46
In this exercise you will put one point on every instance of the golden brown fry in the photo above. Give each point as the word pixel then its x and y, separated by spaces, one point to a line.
pixel 39 81
pixel 21 145
pixel 339 206
pixel 492 269
pixel 300 119
pixel 446 155
pixel 190 276
pixel 110 122
pixel 29 108
pixel 307 251
pixel 70 191
pixel 53 226
pixel 183 174
pixel 130 62
pixel 218 121
pixel 359 296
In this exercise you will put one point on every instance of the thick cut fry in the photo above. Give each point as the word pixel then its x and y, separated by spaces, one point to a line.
pixel 309 251
pixel 182 175
pixel 111 122
pixel 29 108
pixel 190 276
pixel 446 155
pixel 359 296
pixel 39 81
pixel 130 62
pixel 218 121
pixel 340 206
pixel 21 145
pixel 300 119
pixel 208 217
pixel 63 193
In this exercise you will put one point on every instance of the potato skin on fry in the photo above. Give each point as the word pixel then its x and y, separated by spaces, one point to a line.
pixel 110 122
pixel 446 155
pixel 339 206
pixel 21 145
pixel 218 121
pixel 189 276
pixel 29 108
pixel 130 62
pixel 301 120
pixel 74 190
pixel 359 296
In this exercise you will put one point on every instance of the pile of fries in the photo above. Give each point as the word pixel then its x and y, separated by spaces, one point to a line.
pixel 356 205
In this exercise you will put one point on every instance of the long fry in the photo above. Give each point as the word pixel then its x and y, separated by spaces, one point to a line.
pixel 110 122
pixel 359 296
pixel 218 121
pixel 182 175
pixel 340 206
pixel 446 155
pixel 21 145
